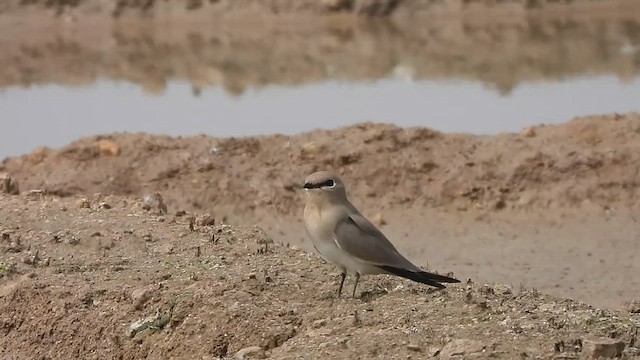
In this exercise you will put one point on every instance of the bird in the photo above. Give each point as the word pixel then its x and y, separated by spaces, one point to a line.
pixel 344 237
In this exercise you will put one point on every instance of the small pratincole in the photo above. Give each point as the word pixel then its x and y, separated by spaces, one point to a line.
pixel 344 237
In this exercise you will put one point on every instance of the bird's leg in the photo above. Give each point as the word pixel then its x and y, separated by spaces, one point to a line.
pixel 343 275
pixel 355 285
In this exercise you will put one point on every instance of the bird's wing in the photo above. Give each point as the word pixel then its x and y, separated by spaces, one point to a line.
pixel 355 235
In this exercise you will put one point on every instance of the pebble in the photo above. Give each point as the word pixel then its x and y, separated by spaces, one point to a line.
pixel 378 220
pixel 35 194
pixel 140 297
pixel 461 347
pixel 141 325
pixel 633 306
pixel 319 323
pixel 596 347
pixel 205 220
pixel 251 352
pixel 154 201
pixel 83 203
pixel 433 351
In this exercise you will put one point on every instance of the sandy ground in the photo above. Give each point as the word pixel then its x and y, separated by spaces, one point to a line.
pixel 102 278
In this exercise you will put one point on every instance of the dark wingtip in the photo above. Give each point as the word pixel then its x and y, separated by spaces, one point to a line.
pixel 421 277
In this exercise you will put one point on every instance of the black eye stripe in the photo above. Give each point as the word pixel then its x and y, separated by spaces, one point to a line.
pixel 328 183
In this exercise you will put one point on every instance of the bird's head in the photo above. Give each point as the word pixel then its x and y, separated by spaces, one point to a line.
pixel 324 185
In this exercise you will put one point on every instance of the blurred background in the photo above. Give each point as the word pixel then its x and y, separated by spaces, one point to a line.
pixel 68 71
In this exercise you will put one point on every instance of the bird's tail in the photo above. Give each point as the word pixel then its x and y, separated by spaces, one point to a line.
pixel 420 276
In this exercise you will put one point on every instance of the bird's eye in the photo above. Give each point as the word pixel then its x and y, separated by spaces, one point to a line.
pixel 329 183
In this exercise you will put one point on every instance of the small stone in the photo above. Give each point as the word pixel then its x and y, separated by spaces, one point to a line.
pixel 596 347
pixel 31 259
pixel 414 347
pixel 205 220
pixel 35 194
pixel 104 205
pixel 433 351
pixel 319 323
pixel 8 185
pixel 154 201
pixel 377 220
pixel 251 352
pixel 633 306
pixel 528 132
pixel 165 249
pixel 15 246
pixel 143 324
pixel 502 290
pixel 461 347
pixel 631 351
pixel 108 147
pixel 140 297
pixel 83 203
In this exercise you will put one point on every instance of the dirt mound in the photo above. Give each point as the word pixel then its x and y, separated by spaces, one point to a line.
pixel 591 160
pixel 102 278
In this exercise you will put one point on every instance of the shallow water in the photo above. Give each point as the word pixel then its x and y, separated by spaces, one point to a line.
pixel 54 115
pixel 454 77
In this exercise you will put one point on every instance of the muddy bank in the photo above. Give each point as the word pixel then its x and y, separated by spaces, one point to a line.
pixel 500 52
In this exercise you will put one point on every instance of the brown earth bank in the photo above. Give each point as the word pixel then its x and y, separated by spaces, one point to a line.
pixel 591 160
pixel 102 278
pixel 499 51
pixel 553 207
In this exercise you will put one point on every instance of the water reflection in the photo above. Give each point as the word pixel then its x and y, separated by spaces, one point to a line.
pixel 480 76
pixel 498 52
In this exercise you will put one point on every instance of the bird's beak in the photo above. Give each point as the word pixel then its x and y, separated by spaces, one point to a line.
pixel 308 186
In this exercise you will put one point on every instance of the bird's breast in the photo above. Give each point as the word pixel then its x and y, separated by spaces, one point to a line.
pixel 311 219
